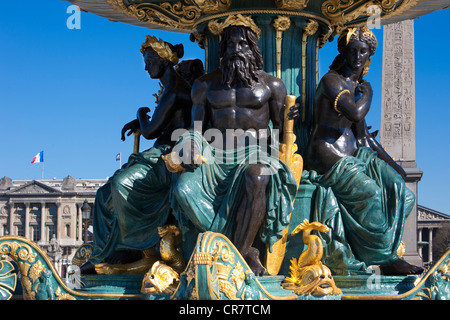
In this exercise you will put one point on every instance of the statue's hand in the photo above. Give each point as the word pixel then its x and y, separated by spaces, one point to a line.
pixel 365 88
pixel 191 157
pixel 294 112
pixel 131 126
pixel 142 112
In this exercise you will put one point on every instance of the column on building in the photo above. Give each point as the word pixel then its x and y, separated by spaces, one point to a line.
pixel 27 220
pixel 43 219
pixel 397 128
pixel 73 224
pixel 80 222
pixel 430 244
pixel 419 240
pixel 11 217
pixel 58 221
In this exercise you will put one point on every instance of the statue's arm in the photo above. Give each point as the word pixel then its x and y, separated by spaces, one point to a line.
pixel 344 101
pixel 131 127
pixel 276 104
pixel 151 128
pixel 198 114
pixel 365 139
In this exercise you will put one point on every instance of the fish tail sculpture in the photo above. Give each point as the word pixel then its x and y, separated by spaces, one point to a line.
pixel 308 275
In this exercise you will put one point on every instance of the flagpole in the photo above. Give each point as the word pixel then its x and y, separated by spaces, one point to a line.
pixel 42 170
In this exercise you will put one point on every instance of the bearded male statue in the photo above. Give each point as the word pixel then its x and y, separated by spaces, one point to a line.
pixel 242 190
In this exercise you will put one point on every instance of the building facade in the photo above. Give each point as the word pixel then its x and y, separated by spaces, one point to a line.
pixel 48 212
pixel 429 224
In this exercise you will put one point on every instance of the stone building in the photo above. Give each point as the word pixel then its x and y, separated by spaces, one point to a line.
pixel 47 212
pixel 429 224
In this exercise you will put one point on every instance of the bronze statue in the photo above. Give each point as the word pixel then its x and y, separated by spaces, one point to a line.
pixel 342 101
pixel 173 110
pixel 342 156
pixel 134 202
pixel 238 199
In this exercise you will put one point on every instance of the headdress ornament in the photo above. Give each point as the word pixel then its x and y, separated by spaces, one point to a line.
pixel 160 47
pixel 234 20
pixel 366 34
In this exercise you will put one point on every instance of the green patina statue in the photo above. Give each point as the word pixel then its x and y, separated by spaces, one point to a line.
pixel 361 193
pixel 134 202
pixel 242 191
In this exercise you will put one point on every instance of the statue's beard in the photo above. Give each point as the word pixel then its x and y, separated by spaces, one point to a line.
pixel 239 69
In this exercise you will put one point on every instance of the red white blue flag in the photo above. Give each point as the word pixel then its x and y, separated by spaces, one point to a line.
pixel 38 158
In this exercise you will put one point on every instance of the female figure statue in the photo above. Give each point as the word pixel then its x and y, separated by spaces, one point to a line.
pixel 361 194
pixel 134 202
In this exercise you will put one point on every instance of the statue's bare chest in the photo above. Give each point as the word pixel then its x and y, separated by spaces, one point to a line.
pixel 254 97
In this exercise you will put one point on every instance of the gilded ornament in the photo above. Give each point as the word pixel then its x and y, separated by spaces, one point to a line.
pixel 282 23
pixel 168 253
pixel 311 27
pixel 341 12
pixel 238 275
pixel 82 254
pixel 366 34
pixel 180 15
pixel 173 161
pixel 212 6
pixel 436 283
pixel 324 38
pixel 336 100
pixel 294 161
pixel 307 273
pixel 137 267
pixel 291 4
pixel 221 250
pixel 160 279
pixel 217 28
pixel 160 47
pixel 63 296
pixel 8 280
pixel 202 258
pixel 171 254
pixel 39 279
pixel 288 148
pixel 401 250
pixel 159 94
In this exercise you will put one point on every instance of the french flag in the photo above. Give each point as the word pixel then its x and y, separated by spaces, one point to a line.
pixel 38 158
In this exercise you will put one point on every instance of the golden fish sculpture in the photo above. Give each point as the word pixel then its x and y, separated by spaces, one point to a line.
pixel 308 275
pixel 160 279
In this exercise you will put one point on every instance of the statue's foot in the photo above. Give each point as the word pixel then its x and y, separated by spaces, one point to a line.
pixel 399 268
pixel 87 268
pixel 252 259
pixel 123 256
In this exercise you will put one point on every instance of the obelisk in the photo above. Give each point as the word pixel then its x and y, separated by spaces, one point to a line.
pixel 398 116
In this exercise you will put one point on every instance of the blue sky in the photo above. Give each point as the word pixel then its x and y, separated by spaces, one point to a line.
pixel 69 92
